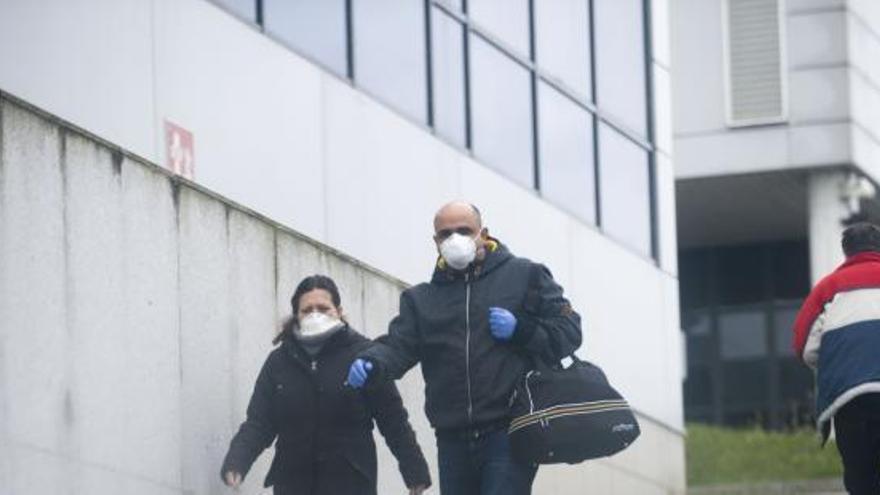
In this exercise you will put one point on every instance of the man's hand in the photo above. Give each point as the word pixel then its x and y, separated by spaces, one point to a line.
pixel 358 373
pixel 232 479
pixel 502 323
pixel 417 490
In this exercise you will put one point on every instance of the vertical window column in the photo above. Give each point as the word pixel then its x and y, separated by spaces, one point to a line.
pixel 448 71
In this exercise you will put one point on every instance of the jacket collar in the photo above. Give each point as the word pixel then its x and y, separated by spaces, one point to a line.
pixel 859 258
pixel 340 339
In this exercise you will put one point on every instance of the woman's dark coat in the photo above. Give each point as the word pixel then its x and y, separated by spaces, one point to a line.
pixel 324 428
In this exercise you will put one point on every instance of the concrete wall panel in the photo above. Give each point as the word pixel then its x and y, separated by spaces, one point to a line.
pixel 819 95
pixel 34 342
pixel 816 39
pixel 206 340
pixel 149 337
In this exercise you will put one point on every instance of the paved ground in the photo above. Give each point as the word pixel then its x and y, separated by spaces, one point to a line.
pixel 813 487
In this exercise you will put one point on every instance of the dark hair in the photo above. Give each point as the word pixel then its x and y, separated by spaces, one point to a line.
pixel 308 284
pixel 859 238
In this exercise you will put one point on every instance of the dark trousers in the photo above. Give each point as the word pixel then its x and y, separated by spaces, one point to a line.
pixel 478 462
pixel 857 428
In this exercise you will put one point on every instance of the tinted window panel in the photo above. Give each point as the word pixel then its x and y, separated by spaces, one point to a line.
pixel 501 112
pixel 743 335
pixel 507 20
pixel 563 42
pixel 315 28
pixel 783 322
pixel 247 9
pixel 565 139
pixel 448 71
pixel 624 190
pixel 620 61
pixel 389 53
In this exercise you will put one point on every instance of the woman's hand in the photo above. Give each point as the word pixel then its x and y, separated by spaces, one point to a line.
pixel 417 490
pixel 233 479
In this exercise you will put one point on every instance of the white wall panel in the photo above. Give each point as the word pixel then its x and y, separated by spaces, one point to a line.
pixel 88 61
pixel 255 119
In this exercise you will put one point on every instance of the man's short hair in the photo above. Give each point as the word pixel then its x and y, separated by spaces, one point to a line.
pixel 859 238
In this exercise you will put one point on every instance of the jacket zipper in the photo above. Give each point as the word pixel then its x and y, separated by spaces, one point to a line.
pixel 467 343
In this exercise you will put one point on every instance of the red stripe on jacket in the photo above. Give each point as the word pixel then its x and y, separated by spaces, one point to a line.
pixel 860 271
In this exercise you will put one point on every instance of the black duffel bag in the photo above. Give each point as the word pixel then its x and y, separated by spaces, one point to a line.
pixel 569 415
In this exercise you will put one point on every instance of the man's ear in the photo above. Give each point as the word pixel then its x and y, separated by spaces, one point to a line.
pixel 484 233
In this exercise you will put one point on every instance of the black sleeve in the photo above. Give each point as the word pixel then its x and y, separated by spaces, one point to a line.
pixel 394 353
pixel 257 432
pixel 391 417
pixel 548 328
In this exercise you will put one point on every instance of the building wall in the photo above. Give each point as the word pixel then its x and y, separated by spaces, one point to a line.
pixel 136 310
pixel 296 144
pixel 863 41
pixel 831 92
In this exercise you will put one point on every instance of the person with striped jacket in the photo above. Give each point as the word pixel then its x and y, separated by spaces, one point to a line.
pixel 837 334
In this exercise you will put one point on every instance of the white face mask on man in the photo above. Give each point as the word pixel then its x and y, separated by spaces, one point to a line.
pixel 316 324
pixel 458 250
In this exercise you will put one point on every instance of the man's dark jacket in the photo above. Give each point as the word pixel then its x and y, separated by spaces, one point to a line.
pixel 444 325
pixel 324 428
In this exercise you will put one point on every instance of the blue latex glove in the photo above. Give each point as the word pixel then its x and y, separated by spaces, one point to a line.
pixel 358 373
pixel 502 323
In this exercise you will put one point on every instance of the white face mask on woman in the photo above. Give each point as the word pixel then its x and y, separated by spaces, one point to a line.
pixel 316 325
pixel 458 250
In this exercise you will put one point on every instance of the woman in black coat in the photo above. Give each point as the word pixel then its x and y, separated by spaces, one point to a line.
pixel 324 428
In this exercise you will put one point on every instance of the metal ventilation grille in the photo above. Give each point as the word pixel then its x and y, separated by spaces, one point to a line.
pixel 754 55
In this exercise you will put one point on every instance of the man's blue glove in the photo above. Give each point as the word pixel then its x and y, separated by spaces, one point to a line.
pixel 358 373
pixel 502 323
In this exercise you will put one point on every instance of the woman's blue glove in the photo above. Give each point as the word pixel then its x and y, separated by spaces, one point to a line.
pixel 358 373
pixel 502 323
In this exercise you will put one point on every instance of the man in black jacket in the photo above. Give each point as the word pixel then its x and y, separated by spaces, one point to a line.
pixel 475 328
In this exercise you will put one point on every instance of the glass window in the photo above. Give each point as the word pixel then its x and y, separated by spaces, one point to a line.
pixel 456 5
pixel 565 145
pixel 246 9
pixel 620 61
pixel 389 53
pixel 447 61
pixel 745 390
pixel 741 277
pixel 316 28
pixel 791 270
pixel 562 42
pixel 501 112
pixel 507 20
pixel 698 387
pixel 700 344
pixel 783 322
pixel 624 189
pixel 743 334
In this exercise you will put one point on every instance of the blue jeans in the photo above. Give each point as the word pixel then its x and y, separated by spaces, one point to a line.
pixel 478 462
